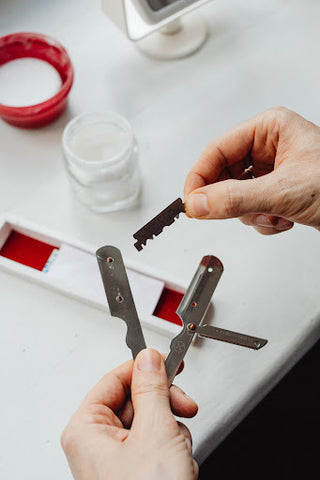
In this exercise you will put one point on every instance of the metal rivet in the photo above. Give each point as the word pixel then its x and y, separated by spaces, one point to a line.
pixel 191 326
pixel 119 299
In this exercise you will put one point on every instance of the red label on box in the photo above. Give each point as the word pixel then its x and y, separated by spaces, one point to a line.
pixel 26 250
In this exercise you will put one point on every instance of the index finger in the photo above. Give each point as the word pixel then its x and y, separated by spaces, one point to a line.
pixel 114 387
pixel 223 152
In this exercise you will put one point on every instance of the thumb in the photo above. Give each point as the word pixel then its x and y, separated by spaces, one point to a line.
pixel 233 198
pixel 150 390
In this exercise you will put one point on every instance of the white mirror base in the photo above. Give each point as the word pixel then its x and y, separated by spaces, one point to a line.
pixel 183 41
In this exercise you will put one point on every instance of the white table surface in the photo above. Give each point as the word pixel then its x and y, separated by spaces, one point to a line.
pixel 53 348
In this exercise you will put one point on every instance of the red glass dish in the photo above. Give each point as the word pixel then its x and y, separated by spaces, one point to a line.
pixel 35 45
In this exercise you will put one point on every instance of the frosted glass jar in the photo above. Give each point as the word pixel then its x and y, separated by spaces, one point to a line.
pixel 101 157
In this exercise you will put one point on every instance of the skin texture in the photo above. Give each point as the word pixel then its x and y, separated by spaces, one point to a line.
pixel 125 427
pixel 282 149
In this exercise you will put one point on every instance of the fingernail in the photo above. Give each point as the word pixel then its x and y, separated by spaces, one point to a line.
pixel 149 361
pixel 197 204
pixel 262 221
pixel 283 224
pixel 187 396
pixel 184 393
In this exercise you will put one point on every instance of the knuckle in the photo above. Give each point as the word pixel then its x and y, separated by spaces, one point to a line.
pixel 282 191
pixel 100 414
pixel 278 114
pixel 233 200
pixel 184 430
pixel 195 469
pixel 151 389
pixel 279 110
pixel 68 440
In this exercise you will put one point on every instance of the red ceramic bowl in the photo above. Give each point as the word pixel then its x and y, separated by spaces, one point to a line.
pixel 20 45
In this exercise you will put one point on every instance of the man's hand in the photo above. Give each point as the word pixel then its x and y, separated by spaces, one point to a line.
pixel 125 427
pixel 283 150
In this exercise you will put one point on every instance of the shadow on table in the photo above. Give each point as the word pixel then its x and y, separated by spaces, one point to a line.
pixel 280 437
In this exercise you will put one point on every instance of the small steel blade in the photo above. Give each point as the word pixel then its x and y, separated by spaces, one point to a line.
pixel 216 333
pixel 155 226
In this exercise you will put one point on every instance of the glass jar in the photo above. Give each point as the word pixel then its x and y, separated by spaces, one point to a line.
pixel 101 157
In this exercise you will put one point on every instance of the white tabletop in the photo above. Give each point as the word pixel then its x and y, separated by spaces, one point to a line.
pixel 54 348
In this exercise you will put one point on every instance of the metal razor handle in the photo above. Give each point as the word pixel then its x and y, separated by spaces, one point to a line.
pixel 191 310
pixel 119 296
